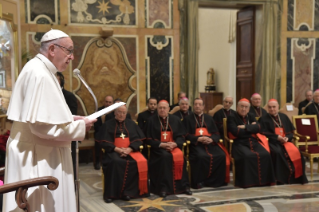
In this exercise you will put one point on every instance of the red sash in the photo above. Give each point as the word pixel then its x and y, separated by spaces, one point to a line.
pixel 178 158
pixel 261 139
pixel 141 163
pixel 202 131
pixel 292 151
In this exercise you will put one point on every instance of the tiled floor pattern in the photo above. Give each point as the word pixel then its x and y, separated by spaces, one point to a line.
pixel 292 198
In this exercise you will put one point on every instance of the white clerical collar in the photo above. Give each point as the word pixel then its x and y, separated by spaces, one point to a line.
pixel 199 115
pixel 163 117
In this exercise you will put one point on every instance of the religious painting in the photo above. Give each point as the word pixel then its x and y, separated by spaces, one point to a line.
pixel 8 61
pixel 41 11
pixel 159 67
pixel 159 13
pixel 107 70
pixel 302 63
pixel 303 15
pixel 103 12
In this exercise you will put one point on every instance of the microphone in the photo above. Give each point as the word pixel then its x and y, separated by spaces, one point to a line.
pixel 78 74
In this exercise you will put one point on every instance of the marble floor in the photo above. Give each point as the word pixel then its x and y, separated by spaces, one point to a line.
pixel 292 198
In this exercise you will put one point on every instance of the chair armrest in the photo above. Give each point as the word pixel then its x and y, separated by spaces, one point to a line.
pixel 302 136
pixel 220 140
pixel 21 188
pixel 141 148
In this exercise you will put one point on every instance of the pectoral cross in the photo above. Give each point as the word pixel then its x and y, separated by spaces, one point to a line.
pixel 122 136
pixel 201 132
pixel 165 134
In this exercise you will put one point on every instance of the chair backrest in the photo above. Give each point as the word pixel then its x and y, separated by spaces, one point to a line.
pixel 175 109
pixel 290 114
pixel 215 109
pixel 307 125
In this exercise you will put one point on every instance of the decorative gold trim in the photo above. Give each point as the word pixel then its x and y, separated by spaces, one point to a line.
pixel 0 10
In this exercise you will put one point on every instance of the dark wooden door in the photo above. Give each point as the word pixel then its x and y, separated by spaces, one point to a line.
pixel 245 62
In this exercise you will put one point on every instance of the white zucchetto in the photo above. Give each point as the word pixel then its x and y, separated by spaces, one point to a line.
pixel 52 35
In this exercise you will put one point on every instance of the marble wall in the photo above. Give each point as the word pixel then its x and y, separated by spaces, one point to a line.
pixel 140 60
pixel 301 51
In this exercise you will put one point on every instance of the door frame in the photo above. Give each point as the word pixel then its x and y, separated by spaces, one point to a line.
pixel 270 62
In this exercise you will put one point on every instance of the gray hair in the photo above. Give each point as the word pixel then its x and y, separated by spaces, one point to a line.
pixel 45 45
pixel 228 97
pixel 184 99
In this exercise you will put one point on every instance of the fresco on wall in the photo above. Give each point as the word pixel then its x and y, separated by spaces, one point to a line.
pixel 159 67
pixel 302 63
pixel 106 69
pixel 303 15
pixel 105 12
pixel 41 11
pixel 158 11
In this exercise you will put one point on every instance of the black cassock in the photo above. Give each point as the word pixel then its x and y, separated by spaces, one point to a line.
pixel 180 114
pixel 121 176
pixel 208 162
pixel 160 163
pixel 283 166
pixel 218 118
pixel 257 111
pixel 312 109
pixel 252 161
pixel 142 118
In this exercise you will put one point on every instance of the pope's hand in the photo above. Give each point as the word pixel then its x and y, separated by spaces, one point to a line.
pixel 89 123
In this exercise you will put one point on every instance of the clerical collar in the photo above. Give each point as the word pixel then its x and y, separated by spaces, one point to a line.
pixel 256 107
pixel 151 111
pixel 199 115
pixel 226 110
pixel 163 118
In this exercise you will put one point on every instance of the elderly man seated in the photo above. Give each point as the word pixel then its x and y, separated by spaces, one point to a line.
pixel 208 158
pixel 250 149
pixel 256 108
pixel 167 166
pixel 223 113
pixel 184 108
pixel 289 165
pixel 124 167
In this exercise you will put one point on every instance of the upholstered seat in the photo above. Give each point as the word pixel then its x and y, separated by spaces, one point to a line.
pixel 307 137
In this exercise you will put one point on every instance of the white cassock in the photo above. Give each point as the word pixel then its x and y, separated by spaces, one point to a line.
pixel 40 140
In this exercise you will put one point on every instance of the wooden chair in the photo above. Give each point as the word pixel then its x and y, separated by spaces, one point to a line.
pixel 174 110
pixel 290 114
pixel 215 109
pixel 229 144
pixel 21 188
pixel 307 137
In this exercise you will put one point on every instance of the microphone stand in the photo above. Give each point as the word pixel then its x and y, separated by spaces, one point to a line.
pixel 77 180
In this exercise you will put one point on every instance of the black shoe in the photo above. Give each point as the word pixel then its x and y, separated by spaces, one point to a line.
pixel 97 166
pixel 163 194
pixel 127 198
pixel 188 191
pixel 108 200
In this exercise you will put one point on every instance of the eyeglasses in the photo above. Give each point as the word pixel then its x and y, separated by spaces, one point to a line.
pixel 69 51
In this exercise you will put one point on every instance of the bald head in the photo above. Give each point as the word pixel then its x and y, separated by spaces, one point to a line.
pixel 273 107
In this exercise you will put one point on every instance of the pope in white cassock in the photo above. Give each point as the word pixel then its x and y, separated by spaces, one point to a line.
pixel 43 128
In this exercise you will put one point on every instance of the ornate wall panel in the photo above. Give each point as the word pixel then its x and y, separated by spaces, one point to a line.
pixel 104 64
pixel 42 11
pixel 159 13
pixel 159 67
pixel 302 66
pixel 105 12
pixel 303 15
